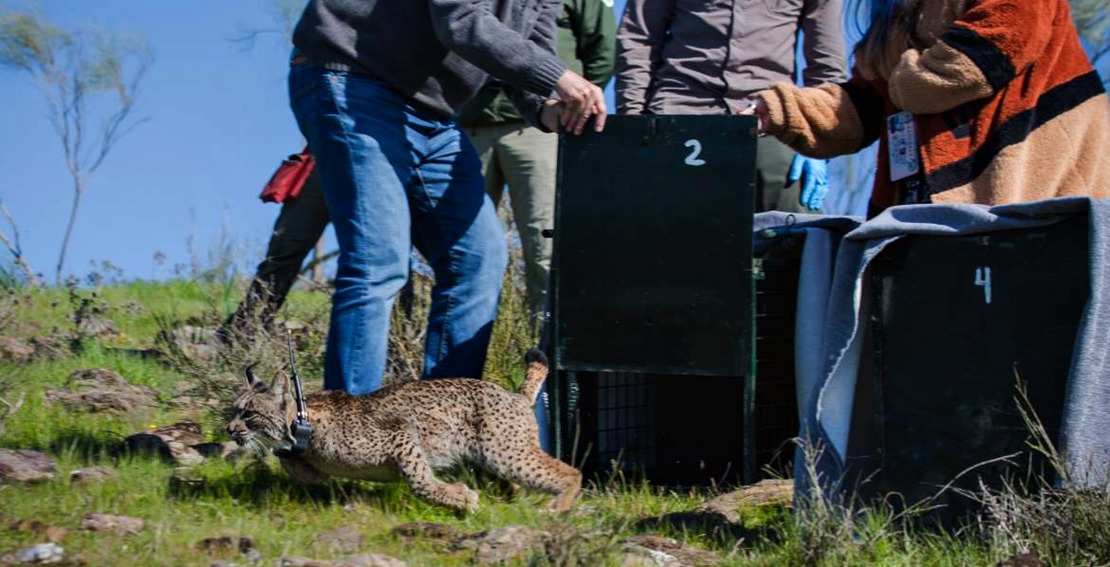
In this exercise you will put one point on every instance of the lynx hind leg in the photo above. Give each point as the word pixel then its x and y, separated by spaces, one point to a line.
pixel 521 460
pixel 303 472
pixel 416 469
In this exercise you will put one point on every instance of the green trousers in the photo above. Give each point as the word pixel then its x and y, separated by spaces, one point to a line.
pixel 524 158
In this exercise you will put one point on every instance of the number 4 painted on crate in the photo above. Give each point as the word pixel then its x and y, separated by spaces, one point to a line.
pixel 983 279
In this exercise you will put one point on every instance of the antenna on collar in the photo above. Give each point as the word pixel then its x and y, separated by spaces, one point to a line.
pixel 300 432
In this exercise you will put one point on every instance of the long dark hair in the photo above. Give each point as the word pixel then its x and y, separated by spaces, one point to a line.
pixel 889 30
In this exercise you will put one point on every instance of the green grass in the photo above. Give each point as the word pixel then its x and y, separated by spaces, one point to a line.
pixel 254 498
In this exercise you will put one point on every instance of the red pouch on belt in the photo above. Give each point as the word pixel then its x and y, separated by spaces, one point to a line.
pixel 288 180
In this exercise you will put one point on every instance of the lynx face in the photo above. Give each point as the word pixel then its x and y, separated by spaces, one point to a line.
pixel 260 415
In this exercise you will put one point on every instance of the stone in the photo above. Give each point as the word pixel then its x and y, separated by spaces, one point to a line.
pixel 15 350
pixel 669 552
pixel 171 442
pixel 361 560
pixel 25 465
pixel 98 390
pixel 342 540
pixel 52 533
pixel 503 545
pixel 91 475
pixel 95 325
pixel 97 522
pixel 38 554
pixel 192 341
pixel 51 347
pixel 768 492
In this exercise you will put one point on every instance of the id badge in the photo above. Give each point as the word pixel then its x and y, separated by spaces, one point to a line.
pixel 902 146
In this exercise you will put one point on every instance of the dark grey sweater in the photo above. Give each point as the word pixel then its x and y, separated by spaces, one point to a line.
pixel 438 53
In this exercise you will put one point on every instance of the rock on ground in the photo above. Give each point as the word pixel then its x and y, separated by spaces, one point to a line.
pixel 175 442
pixel 90 475
pixel 98 390
pixel 342 540
pixel 51 347
pixel 667 552
pixel 39 554
pixel 15 350
pixel 767 492
pixel 503 545
pixel 25 465
pixel 97 522
pixel 361 560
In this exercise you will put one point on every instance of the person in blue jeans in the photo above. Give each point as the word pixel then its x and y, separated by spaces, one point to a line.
pixel 374 86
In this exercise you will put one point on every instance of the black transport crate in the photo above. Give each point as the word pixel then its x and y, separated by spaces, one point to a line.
pixel 655 299
pixel 957 322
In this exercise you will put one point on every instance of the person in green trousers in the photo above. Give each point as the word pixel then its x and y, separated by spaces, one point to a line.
pixel 524 157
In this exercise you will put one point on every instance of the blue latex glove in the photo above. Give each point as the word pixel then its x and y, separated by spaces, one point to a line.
pixel 814 175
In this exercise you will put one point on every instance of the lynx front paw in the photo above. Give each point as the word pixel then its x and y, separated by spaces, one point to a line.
pixel 464 498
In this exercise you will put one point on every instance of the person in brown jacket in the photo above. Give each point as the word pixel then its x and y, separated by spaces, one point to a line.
pixel 697 57
pixel 973 101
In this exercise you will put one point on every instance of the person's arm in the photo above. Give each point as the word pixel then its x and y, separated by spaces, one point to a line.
pixel 993 42
pixel 595 39
pixel 825 121
pixel 823 43
pixel 528 103
pixel 640 38
pixel 574 100
pixel 469 29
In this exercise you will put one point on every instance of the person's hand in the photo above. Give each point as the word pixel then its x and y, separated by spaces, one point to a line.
pixel 581 99
pixel 551 114
pixel 758 108
pixel 814 175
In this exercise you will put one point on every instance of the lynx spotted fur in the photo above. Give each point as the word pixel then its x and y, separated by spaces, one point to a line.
pixel 410 431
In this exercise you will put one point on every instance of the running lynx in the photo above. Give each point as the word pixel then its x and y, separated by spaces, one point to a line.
pixel 412 430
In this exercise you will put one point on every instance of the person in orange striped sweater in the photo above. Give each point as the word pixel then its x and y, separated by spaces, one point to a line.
pixel 973 101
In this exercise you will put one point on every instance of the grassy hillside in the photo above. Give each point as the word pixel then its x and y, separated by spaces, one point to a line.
pixel 153 335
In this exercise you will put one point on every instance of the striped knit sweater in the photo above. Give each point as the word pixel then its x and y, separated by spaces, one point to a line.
pixel 1005 101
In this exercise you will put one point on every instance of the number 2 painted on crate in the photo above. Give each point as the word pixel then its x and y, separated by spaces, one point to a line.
pixel 693 159
pixel 983 280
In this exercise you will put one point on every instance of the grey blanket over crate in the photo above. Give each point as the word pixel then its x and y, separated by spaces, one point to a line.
pixel 826 381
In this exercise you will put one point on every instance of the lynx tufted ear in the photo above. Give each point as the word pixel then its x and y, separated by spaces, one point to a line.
pixel 280 384
pixel 252 381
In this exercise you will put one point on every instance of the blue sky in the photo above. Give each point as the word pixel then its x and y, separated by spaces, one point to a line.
pixel 219 124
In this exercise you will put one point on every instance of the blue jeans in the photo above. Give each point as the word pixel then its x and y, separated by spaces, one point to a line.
pixel 395 176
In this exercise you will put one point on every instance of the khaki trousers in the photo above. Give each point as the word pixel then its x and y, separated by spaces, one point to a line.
pixel 524 158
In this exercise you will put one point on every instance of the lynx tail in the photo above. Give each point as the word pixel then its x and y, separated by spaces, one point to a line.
pixel 534 375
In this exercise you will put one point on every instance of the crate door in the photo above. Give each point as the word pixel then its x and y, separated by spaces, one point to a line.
pixel 959 319
pixel 653 246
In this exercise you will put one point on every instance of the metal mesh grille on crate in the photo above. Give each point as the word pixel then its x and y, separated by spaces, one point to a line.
pixel 776 419
pixel 625 429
